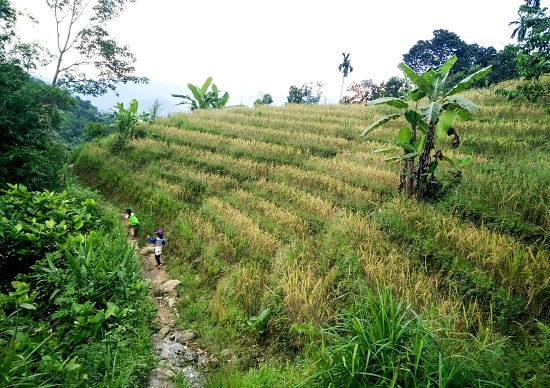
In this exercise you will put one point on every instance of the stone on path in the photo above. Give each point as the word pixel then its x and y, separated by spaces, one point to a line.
pixel 170 285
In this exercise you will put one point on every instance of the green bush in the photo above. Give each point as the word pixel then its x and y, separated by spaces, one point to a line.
pixel 35 223
pixel 80 314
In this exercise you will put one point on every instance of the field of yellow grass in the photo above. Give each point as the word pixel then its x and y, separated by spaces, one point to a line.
pixel 288 208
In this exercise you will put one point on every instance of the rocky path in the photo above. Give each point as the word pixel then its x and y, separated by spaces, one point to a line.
pixel 176 349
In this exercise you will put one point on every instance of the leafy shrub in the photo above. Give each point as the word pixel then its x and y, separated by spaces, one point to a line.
pixel 29 357
pixel 80 313
pixel 95 130
pixel 34 223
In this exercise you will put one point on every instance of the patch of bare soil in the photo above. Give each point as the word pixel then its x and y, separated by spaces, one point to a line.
pixel 176 349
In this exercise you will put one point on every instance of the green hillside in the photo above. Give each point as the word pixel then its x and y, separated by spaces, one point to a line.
pixel 287 211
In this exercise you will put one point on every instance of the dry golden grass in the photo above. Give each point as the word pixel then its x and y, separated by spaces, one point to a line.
pixel 300 199
pixel 249 287
pixel 517 269
pixel 320 182
pixel 260 178
pixel 283 218
pixel 257 131
pixel 343 168
pixel 260 241
pixel 385 266
pixel 306 291
pixel 229 145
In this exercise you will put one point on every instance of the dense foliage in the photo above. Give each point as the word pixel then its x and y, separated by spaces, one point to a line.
pixel 77 311
pixel 433 53
pixel 366 90
pixel 306 94
pixel 31 153
pixel 77 118
pixel 533 55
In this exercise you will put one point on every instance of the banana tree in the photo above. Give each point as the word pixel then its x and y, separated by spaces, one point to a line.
pixel 426 124
pixel 126 121
pixel 202 98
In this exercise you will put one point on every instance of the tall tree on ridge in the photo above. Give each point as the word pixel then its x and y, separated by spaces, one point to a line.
pixel 82 30
pixel 532 32
pixel 346 68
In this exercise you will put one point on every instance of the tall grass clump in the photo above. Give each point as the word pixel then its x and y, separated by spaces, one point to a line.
pixel 382 342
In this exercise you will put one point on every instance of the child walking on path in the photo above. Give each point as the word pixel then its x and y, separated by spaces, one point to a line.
pixel 132 223
pixel 158 242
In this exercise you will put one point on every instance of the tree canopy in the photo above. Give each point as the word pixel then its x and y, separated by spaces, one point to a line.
pixel 532 31
pixel 37 121
pixel 31 153
pixel 306 94
pixel 100 62
pixel 426 54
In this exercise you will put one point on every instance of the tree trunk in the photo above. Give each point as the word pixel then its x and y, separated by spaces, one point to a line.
pixel 57 69
pixel 423 179
pixel 406 180
pixel 342 89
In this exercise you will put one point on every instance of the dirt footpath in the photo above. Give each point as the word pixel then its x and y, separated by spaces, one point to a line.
pixel 176 349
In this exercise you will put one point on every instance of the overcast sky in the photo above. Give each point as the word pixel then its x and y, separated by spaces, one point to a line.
pixel 252 46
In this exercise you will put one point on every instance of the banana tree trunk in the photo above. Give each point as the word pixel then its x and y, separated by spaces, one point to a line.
pixel 406 180
pixel 425 180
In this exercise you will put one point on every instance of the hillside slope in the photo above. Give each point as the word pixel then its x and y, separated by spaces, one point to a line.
pixel 278 219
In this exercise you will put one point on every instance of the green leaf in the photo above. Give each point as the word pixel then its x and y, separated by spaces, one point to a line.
pixel 463 162
pixel 417 94
pixel 463 114
pixel 379 122
pixel 50 224
pixel 223 101
pixel 445 122
pixel 431 112
pixel 385 150
pixel 432 167
pixel 392 159
pixel 416 79
pixel 18 227
pixel 195 91
pixel 447 66
pixel 420 144
pixel 406 146
pixel 205 86
pixel 404 135
pixel 468 81
pixel 462 103
pixel 27 306
pixel 391 101
pixel 79 224
pixel 410 155
pixel 450 161
pixel 112 309
pixel 413 117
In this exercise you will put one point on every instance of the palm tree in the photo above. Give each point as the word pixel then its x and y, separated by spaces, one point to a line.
pixel 346 68
pixel 520 31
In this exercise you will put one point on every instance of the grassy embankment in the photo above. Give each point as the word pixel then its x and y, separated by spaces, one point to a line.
pixel 288 209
